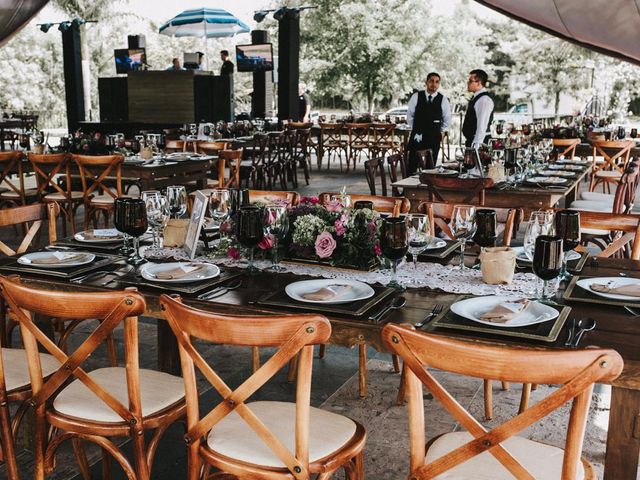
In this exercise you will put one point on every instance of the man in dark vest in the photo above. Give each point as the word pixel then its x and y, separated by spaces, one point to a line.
pixel 476 127
pixel 428 115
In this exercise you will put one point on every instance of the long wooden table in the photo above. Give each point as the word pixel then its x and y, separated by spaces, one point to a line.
pixel 527 197
pixel 615 329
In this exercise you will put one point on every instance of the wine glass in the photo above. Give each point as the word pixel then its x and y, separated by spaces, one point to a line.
pixel 394 242
pixel 219 205
pixel 276 223
pixel 568 228
pixel 459 156
pixel 419 235
pixel 547 262
pixel 463 226
pixel 633 133
pixel 157 216
pixel 621 133
pixel 177 198
pixel 540 223
pixel 131 218
pixel 250 231
pixel 468 162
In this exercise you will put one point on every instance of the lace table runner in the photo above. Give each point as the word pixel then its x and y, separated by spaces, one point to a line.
pixel 447 278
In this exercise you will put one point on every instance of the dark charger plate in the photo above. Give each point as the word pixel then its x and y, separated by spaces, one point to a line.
pixel 11 265
pixel 134 280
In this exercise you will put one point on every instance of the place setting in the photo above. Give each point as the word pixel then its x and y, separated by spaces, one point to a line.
pixel 57 263
pixel 617 291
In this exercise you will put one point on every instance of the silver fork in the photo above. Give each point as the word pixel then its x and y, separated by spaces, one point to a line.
pixel 437 310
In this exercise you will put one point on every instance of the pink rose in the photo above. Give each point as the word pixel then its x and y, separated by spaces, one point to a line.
pixel 377 250
pixel 234 253
pixel 340 228
pixel 266 243
pixel 311 200
pixel 333 206
pixel 226 227
pixel 325 245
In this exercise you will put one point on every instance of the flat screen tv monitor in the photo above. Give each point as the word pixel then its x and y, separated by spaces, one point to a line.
pixel 129 59
pixel 254 58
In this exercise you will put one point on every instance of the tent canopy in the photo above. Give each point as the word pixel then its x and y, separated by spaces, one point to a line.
pixel 15 14
pixel 611 27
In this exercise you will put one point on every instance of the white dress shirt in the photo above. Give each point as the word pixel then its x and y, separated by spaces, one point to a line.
pixel 446 110
pixel 483 108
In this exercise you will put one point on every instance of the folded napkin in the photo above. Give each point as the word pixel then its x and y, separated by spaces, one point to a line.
pixel 184 271
pixel 57 258
pixel 328 293
pixel 102 234
pixel 503 312
pixel 627 290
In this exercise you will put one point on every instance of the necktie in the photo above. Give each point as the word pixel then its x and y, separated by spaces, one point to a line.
pixel 430 99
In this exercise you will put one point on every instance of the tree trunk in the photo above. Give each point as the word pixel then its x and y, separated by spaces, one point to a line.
pixel 556 107
pixel 86 72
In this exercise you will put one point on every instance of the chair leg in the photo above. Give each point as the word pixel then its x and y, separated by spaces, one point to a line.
pixel 396 363
pixel 255 359
pixel 488 399
pixel 6 437
pixel 505 386
pixel 81 458
pixel 362 371
pixel 524 398
pixel 358 464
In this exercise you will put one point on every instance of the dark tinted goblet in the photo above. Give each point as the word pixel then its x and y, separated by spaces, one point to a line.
pixel 250 230
pixel 547 261
pixel 394 241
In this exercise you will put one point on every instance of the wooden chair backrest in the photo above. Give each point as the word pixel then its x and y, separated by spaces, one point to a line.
pixel 47 167
pixel 624 196
pixel 295 125
pixel 290 334
pixel 615 152
pixel 267 197
pixel 277 146
pixel 576 371
pixel 440 215
pixel 211 147
pixel 175 145
pixel 474 187
pixel 232 159
pixel 383 133
pixel 566 147
pixel 616 222
pixel 36 213
pixel 300 141
pixel 110 308
pixel 371 169
pixel 394 161
pixel 11 163
pixel 399 205
pixel 359 133
pixel 94 172
pixel 331 133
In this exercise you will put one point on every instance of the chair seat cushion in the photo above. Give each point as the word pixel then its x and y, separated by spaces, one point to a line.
pixel 16 369
pixel 58 197
pixel 233 438
pixel 611 174
pixel 543 461
pixel 598 197
pixel 157 391
pixel 103 200
pixel 591 206
pixel 28 193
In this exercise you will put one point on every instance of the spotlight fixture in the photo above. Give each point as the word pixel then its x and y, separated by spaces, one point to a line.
pixel 280 13
pixel 260 15
pixel 64 26
pixel 78 21
pixel 45 27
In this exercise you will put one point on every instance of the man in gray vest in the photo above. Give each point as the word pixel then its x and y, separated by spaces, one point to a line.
pixel 476 126
pixel 428 115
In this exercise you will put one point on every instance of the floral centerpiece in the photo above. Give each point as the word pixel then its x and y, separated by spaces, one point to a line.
pixel 334 234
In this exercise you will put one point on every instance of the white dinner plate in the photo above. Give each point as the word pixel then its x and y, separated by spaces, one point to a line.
pixel 522 257
pixel 546 180
pixel 437 171
pixel 575 161
pixel 473 308
pixel 557 173
pixel 358 291
pixel 208 270
pixel 435 244
pixel 586 283
pixel 80 258
pixel 573 168
pixel 110 235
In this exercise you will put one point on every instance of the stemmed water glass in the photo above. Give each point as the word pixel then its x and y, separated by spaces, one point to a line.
pixel 131 218
pixel 219 205
pixel 419 235
pixel 568 229
pixel 157 216
pixel 463 226
pixel 250 231
pixel 547 263
pixel 276 223
pixel 177 200
pixel 394 241
pixel 540 223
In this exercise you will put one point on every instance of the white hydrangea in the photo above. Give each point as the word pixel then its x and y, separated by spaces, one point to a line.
pixel 306 228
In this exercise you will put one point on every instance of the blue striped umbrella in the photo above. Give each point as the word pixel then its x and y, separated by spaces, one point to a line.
pixel 204 23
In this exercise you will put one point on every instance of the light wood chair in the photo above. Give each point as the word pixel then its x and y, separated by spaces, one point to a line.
pixel 13 191
pixel 627 243
pixel 359 142
pixel 230 159
pixel 261 439
pixel 211 148
pixel 498 453
pixel 333 144
pixel 96 172
pixel 566 147
pixel 616 155
pixel 437 185
pixel 380 204
pixel 172 146
pixel 106 402
pixel 384 139
pixel 36 213
pixel 48 169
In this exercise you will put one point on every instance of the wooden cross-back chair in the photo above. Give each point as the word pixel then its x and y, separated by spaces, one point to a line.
pixel 49 169
pixel 172 146
pixel 333 143
pixel 262 439
pixel 498 452
pixel 627 243
pixel 258 154
pixel 106 402
pixel 211 148
pixel 96 175
pixel 372 168
pixel 300 156
pixel 566 147
pixel 616 156
pixel 382 204
pixel 384 139
pixel 275 160
pixel 15 194
pixel 359 135
pixel 438 185
pixel 395 161
pixel 37 213
pixel 230 159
